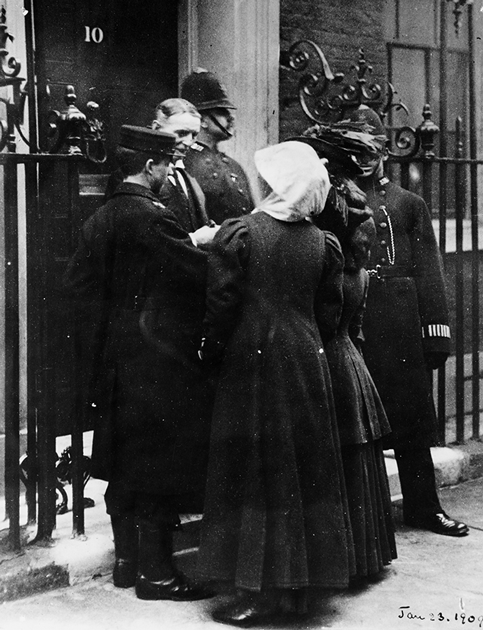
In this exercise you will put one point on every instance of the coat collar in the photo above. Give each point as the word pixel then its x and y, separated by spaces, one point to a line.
pixel 135 190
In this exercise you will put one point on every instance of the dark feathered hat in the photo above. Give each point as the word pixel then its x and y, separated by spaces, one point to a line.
pixel 336 155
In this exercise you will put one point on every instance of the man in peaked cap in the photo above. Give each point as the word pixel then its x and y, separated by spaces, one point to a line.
pixel 405 325
pixel 223 181
pixel 143 274
pixel 181 193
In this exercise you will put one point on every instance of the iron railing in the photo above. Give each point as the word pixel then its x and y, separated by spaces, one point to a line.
pixel 39 470
pixel 41 192
pixel 449 185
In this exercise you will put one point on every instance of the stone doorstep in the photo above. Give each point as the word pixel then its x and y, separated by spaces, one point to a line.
pixel 68 560
pixel 452 464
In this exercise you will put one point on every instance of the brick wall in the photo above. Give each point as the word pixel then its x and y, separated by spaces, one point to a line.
pixel 340 28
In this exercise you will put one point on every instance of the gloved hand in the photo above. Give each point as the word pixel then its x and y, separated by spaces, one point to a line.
pixel 435 360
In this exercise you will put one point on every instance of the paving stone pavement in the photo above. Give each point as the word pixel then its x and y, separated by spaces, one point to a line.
pixel 436 582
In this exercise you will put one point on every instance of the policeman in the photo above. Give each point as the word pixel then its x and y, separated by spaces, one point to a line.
pixel 145 273
pixel 222 179
pixel 405 327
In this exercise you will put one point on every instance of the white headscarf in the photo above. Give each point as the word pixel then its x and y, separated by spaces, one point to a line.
pixel 298 179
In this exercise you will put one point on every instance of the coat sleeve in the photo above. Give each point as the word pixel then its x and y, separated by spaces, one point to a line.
pixel 429 277
pixel 329 296
pixel 356 324
pixel 226 284
pixel 167 242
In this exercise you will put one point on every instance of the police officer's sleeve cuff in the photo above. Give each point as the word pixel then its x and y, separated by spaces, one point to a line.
pixel 436 338
pixel 436 330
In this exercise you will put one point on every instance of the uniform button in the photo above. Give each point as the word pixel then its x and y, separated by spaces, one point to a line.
pixel 383 260
pixel 215 175
pixel 383 243
pixel 383 193
pixel 224 159
pixel 244 209
pixel 383 225
pixel 240 190
pixel 208 160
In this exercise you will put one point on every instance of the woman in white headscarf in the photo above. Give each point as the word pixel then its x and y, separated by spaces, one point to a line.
pixel 275 519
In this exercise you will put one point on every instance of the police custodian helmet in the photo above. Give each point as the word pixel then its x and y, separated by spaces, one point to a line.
pixel 365 114
pixel 204 90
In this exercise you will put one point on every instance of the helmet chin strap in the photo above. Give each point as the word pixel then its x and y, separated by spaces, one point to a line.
pixel 226 131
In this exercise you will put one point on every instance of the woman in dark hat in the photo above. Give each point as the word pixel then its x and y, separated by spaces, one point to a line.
pixel 275 520
pixel 361 418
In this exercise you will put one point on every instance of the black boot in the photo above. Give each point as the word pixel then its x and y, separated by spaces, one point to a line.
pixel 248 609
pixel 157 576
pixel 126 550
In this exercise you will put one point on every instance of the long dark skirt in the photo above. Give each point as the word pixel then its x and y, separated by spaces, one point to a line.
pixel 369 507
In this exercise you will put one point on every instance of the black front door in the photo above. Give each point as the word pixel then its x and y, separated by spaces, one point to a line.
pixel 118 53
pixel 122 55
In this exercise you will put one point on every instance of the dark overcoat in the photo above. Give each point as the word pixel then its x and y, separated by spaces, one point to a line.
pixel 275 513
pixel 137 268
pixel 406 315
pixel 223 181
pixel 188 205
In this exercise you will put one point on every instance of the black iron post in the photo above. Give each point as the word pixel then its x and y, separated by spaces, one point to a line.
pixel 475 254
pixel 443 189
pixel 459 285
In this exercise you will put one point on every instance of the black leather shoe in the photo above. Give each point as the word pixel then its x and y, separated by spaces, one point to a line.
pixel 246 613
pixel 174 588
pixel 124 573
pixel 439 523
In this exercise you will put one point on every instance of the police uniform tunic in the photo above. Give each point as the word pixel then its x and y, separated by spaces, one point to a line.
pixel 223 181
pixel 406 316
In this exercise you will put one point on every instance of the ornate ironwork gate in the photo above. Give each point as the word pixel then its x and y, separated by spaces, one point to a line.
pixel 41 192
